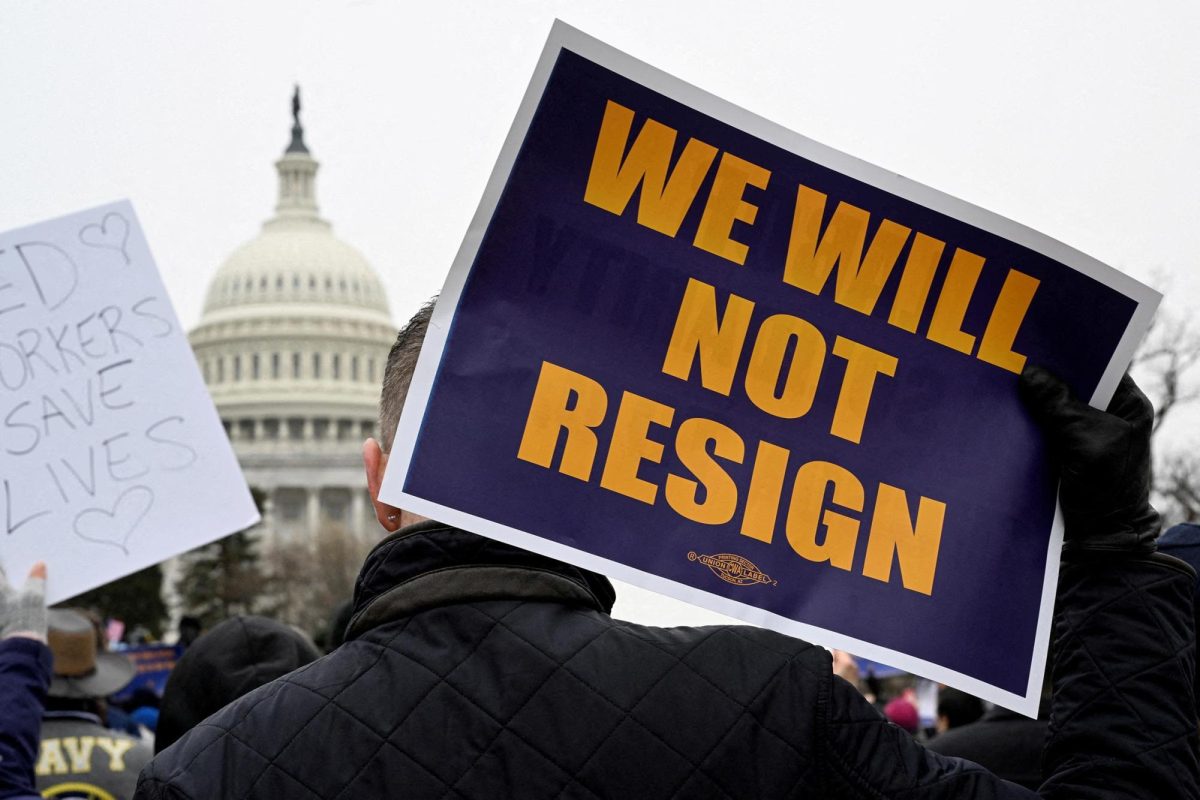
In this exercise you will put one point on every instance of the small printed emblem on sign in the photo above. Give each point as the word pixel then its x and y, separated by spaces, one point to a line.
pixel 733 569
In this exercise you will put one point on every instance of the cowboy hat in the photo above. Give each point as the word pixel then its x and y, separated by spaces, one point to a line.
pixel 81 670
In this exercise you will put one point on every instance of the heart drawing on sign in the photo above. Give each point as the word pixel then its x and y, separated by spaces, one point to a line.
pixel 116 526
pixel 111 233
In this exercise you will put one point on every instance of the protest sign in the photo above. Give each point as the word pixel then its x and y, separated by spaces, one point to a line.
pixel 112 456
pixel 688 348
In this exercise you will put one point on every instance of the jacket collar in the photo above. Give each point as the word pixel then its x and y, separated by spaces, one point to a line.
pixel 431 564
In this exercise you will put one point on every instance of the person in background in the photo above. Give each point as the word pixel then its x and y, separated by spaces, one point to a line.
pixel 76 713
pixel 1007 743
pixel 143 708
pixel 956 708
pixel 25 668
pixel 901 712
pixel 472 668
pixel 189 630
pixel 238 655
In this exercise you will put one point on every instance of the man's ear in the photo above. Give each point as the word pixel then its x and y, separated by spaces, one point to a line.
pixel 375 462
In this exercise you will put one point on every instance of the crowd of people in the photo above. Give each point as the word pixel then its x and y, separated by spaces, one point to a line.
pixel 463 667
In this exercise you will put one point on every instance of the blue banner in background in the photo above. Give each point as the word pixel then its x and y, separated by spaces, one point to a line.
pixel 154 663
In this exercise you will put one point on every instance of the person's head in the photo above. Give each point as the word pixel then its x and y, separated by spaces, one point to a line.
pixel 397 377
pixel 234 658
pixel 189 630
pixel 84 672
pixel 956 709
pixel 903 714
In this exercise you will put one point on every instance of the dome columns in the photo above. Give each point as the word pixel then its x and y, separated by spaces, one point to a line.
pixel 297 186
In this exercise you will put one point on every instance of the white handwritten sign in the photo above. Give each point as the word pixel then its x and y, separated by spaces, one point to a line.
pixel 112 456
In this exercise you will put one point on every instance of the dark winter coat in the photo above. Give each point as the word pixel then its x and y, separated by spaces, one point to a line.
pixel 475 670
pixel 25 667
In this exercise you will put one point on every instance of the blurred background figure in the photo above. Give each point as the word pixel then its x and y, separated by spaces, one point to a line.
pixel 189 631
pixel 902 712
pixel 1005 742
pixel 143 709
pixel 956 708
pixel 76 713
pixel 234 658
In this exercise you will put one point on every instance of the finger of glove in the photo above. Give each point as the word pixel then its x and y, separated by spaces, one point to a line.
pixel 1131 404
pixel 1055 408
pixel 35 584
pixel 27 610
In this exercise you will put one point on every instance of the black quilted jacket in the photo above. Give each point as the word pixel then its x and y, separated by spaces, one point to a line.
pixel 475 670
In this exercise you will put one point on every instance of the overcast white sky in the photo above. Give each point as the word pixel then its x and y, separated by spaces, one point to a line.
pixel 1079 119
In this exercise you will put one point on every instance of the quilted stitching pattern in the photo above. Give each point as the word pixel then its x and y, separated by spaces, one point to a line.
pixel 560 701
pixel 1126 656
pixel 537 699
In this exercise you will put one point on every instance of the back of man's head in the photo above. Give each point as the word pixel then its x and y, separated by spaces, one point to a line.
pixel 398 374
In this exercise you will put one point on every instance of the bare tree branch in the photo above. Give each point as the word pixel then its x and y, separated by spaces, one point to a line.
pixel 1168 366
pixel 1167 361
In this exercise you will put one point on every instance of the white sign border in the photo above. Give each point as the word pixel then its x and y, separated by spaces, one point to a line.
pixel 563 36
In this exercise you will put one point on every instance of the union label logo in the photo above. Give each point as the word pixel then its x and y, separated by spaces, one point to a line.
pixel 733 569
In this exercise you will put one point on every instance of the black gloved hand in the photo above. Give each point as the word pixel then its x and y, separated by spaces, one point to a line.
pixel 1103 460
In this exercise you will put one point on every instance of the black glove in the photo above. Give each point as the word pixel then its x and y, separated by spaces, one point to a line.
pixel 1103 460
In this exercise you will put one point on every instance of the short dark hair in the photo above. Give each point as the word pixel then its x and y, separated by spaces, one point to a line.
pixel 398 374
pixel 958 707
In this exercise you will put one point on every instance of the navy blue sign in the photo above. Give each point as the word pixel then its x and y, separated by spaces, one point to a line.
pixel 708 356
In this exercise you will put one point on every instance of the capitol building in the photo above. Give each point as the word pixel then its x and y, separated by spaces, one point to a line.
pixel 292 343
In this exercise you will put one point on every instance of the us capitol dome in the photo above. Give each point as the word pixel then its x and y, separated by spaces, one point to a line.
pixel 292 343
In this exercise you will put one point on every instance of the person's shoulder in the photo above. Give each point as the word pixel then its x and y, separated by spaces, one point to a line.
pixel 240 734
pixel 271 706
pixel 723 638
pixel 727 655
